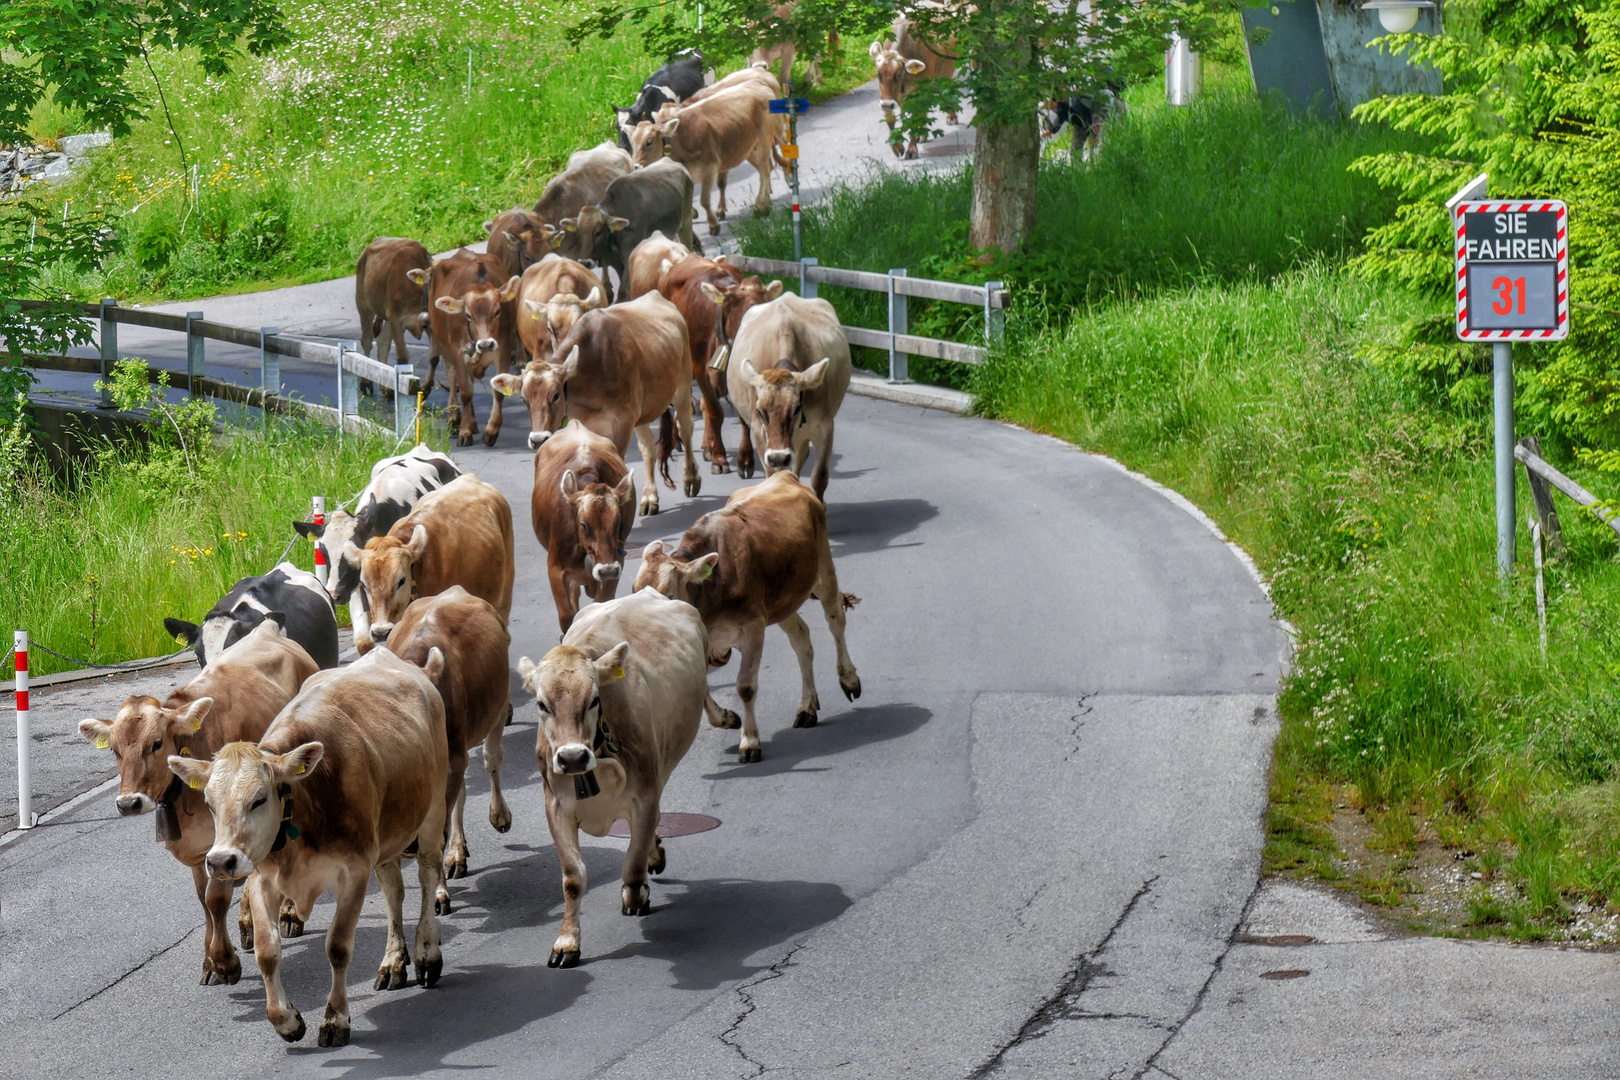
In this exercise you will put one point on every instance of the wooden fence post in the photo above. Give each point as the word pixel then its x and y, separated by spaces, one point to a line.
pixel 1541 495
pixel 995 318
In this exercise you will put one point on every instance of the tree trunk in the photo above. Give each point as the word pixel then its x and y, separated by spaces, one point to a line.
pixel 1006 163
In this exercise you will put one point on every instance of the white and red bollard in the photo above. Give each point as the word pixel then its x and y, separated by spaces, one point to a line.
pixel 318 516
pixel 25 772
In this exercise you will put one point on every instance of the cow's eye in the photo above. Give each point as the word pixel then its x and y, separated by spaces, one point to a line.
pixel 596 703
pixel 543 707
pixel 260 801
pixel 555 395
pixel 401 584
pixel 156 746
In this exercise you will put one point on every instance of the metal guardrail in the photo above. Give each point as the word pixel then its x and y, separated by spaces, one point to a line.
pixel 347 361
pixel 898 286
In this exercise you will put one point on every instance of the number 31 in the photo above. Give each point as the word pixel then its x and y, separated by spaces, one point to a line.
pixel 1505 286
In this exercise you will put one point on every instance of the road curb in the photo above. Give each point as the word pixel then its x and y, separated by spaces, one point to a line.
pixel 865 384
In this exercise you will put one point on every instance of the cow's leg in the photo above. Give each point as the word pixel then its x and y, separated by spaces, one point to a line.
pixel 396 963
pixel 911 149
pixel 351 897
pixel 752 641
pixel 500 815
pixel 360 618
pixel 468 417
pixel 635 897
pixel 220 963
pixel 714 447
pixel 720 182
pixel 565 836
pixel 565 594
pixel 706 183
pixel 432 375
pixel 833 606
pixel 402 355
pixel 429 873
pixel 367 321
pixel 823 444
pixel 762 165
pixel 492 430
pixel 455 852
pixel 292 923
pixel 798 635
pixel 692 483
pixel 648 444
pixel 718 717
pixel 265 900
pixel 244 922
pixel 745 453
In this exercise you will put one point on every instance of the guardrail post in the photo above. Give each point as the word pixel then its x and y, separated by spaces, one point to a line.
pixel 269 371
pixel 194 353
pixel 899 362
pixel 317 515
pixel 807 288
pixel 109 353
pixel 403 413
pixel 349 382
pixel 26 818
pixel 995 318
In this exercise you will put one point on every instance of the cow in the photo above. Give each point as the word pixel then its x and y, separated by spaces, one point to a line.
pixel 518 238
pixel 552 296
pixel 582 184
pixel 623 367
pixel 751 565
pixel 713 297
pixel 475 685
pixel 656 198
pixel 789 371
pixel 460 534
pixel 783 50
pixel 350 772
pixel 396 484
pixel 673 83
pixel 232 700
pixel 712 136
pixel 384 293
pixel 901 63
pixel 473 310
pixel 304 604
pixel 651 260
pixel 756 73
pixel 583 505
pixel 619 702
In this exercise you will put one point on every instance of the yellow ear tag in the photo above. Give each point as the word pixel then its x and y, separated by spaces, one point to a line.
pixel 184 752
pixel 101 742
pixel 179 639
pixel 197 726
pixel 507 391
pixel 300 771
pixel 617 672
pixel 196 784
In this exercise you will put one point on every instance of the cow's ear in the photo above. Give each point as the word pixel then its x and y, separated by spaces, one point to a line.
pixel 723 257
pixel 915 66
pixel 354 554
pixel 509 293
pixel 610 665
pixel 181 630
pixel 308 529
pixel 515 241
pixel 418 275
pixel 535 309
pixel 185 721
pixel 569 224
pixel 526 670
pixel 418 543
pixel 448 304
pixel 278 619
pixel 297 763
pixel 556 237
pixel 433 666
pixel 750 376
pixel 618 224
pixel 505 384
pixel 625 489
pixel 191 770
pixel 652 550
pixel 876 50
pixel 96 731
pixel 570 484
pixel 813 376
pixel 570 365
pixel 773 290
pixel 594 300
pixel 669 127
pixel 488 225
pixel 702 569
pixel 715 295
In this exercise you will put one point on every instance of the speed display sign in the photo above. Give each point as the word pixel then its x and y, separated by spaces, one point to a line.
pixel 1512 270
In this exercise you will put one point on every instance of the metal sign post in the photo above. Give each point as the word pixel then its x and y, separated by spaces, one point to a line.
pixel 1512 285
pixel 792 106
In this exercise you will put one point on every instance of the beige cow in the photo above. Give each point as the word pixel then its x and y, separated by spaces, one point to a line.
pixel 552 295
pixel 651 260
pixel 901 63
pixel 619 703
pixel 711 137
pixel 460 534
pixel 234 699
pixel 790 369
pixel 348 775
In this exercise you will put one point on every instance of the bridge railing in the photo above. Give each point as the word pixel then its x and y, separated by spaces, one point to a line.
pixel 991 297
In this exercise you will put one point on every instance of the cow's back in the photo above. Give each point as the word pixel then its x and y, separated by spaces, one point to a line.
pixel 720 130
pixel 470 543
pixel 939 63
pixel 798 332
pixel 475 684
pixel 632 358
pixel 593 459
pixel 773 534
pixel 585 181
pixel 250 682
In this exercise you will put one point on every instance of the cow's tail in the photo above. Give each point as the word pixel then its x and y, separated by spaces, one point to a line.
pixel 849 599
pixel 666 443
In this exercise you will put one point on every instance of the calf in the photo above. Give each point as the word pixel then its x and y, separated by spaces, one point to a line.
pixel 233 700
pixel 713 298
pixel 305 607
pixel 624 366
pixel 619 702
pixel 901 63
pixel 676 81
pixel 385 293
pixel 712 136
pixel 749 566
pixel 460 534
pixel 474 317
pixel 518 238
pixel 584 504
pixel 347 776
pixel 396 484
pixel 650 260
pixel 552 296
pixel 654 199
pixel 789 378
pixel 583 183
pixel 475 686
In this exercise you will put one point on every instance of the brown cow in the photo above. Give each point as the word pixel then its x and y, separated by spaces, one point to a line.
pixel 518 238
pixel 350 772
pixel 713 297
pixel 711 137
pixel 232 700
pixel 782 51
pixel 749 566
pixel 460 534
pixel 475 686
pixel 582 184
pixel 552 296
pixel 474 317
pixel 902 62
pixel 651 260
pixel 385 293
pixel 623 367
pixel 583 505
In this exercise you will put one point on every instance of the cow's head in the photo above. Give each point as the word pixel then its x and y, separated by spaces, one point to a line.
pixel 647 138
pixel 388 578
pixel 895 76
pixel 246 788
pixel 779 407
pixel 545 391
pixel 479 331
pixel 142 737
pixel 593 232
pixel 602 519
pixel 333 539
pixel 519 239
pixel 676 578
pixel 567 688
pixel 648 104
pixel 734 298
pixel 219 631
pixel 561 312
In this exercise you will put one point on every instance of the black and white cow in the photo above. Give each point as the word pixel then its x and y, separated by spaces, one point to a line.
pixel 286 594
pixel 396 484
pixel 674 82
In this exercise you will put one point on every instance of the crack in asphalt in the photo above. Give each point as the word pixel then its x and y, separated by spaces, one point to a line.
pixel 1076 722
pixel 126 974
pixel 775 971
pixel 1064 1003
pixel 1023 909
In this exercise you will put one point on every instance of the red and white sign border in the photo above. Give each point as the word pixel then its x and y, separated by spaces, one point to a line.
pixel 1492 206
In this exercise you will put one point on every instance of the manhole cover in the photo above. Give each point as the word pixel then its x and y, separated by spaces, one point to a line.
pixel 1276 939
pixel 1287 973
pixel 672 825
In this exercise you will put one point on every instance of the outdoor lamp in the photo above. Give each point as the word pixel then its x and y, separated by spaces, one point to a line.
pixel 1397 16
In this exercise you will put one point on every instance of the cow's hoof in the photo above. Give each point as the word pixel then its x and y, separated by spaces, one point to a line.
pixel 745 469
pixel 490 437
pixel 393 973
pixel 463 440
pixel 721 213
pixel 693 486
pixel 763 211
pixel 649 507
pixel 804 718
pixel 291 925
pixel 334 1033
pixel 635 900
pixel 656 864
pixel 500 819
pixel 714 230
pixel 294 1034
pixel 748 756
pixel 911 155
pixel 899 151
pixel 428 974
pixel 852 688
pixel 720 466
pixel 563 958
pixel 441 904
pixel 729 720
pixel 455 865
pixel 225 973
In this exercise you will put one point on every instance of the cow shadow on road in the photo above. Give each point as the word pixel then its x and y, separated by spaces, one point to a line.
pixel 858 528
pixel 790 747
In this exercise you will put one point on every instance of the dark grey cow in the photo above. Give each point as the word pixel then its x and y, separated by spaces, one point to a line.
pixel 673 83
pixel 287 594
pixel 657 198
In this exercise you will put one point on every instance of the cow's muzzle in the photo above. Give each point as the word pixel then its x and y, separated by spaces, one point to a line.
pixel 778 459
pixel 228 864
pixel 573 758
pixel 888 105
pixel 608 571
pixel 134 805
pixel 537 439
pixel 380 632
pixel 487 344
